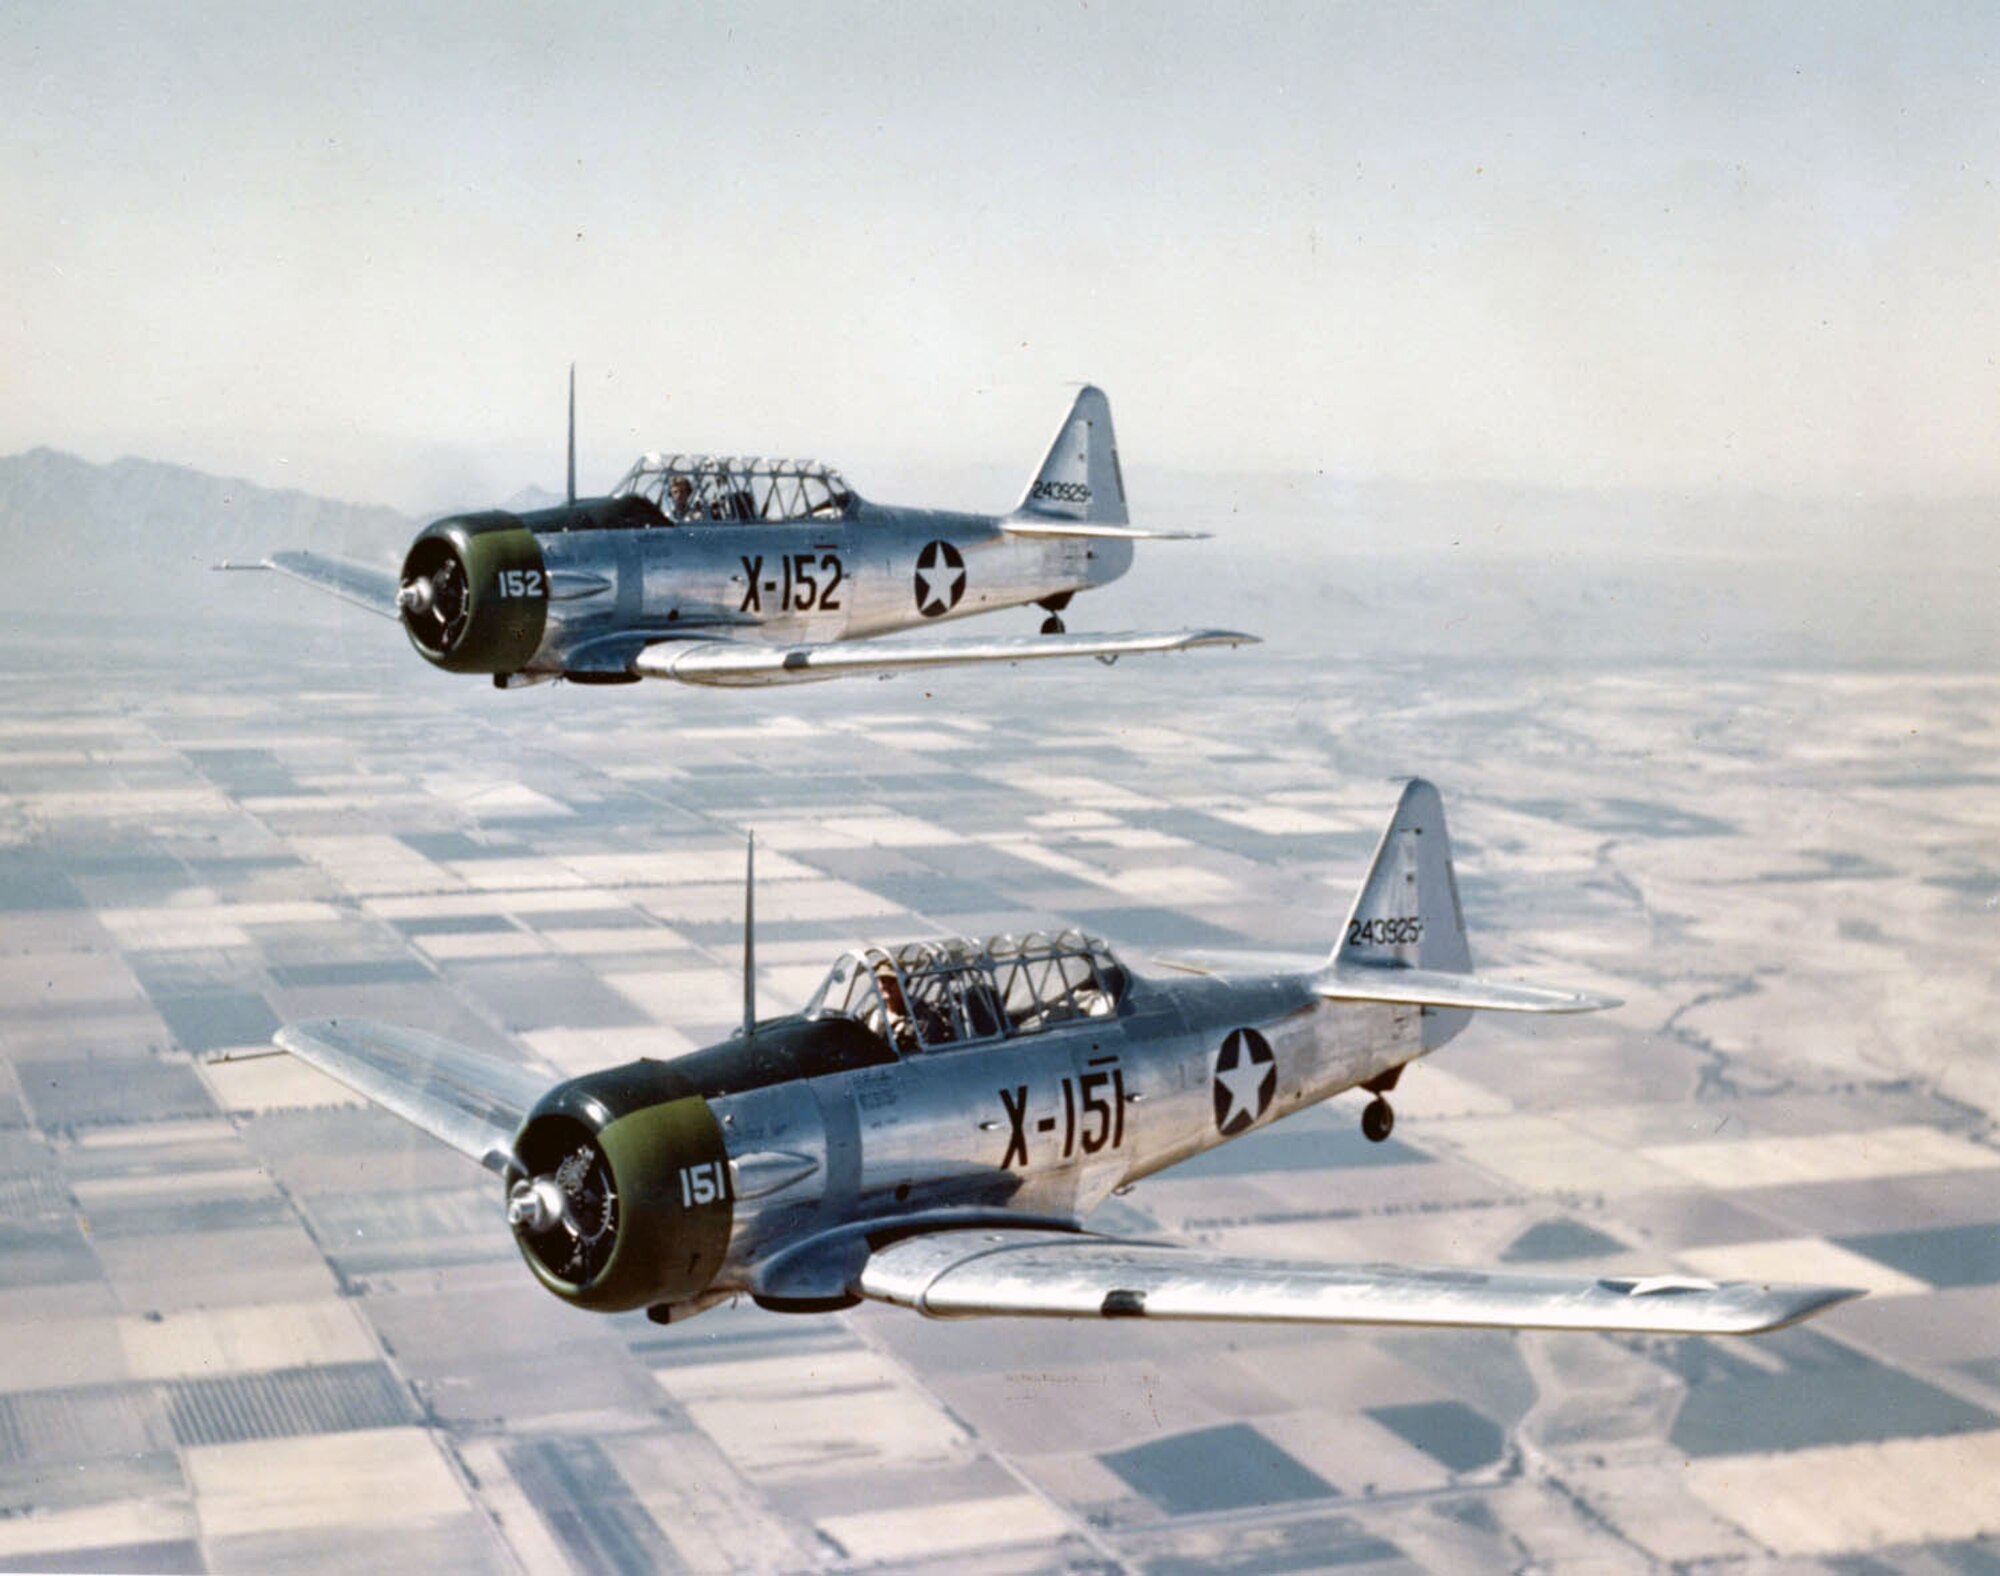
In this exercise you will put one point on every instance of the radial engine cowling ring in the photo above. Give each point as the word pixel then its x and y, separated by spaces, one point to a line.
pixel 618 1200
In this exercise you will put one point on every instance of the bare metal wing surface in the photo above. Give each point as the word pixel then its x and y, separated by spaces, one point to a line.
pixel 728 662
pixel 970 1273
pixel 365 585
pixel 470 1100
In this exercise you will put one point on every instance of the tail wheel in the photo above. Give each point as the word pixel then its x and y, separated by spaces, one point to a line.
pixel 1378 1120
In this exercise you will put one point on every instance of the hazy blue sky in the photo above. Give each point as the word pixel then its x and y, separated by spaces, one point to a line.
pixel 353 248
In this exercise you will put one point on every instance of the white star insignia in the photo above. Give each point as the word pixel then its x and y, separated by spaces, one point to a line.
pixel 939 581
pixel 1243 1081
pixel 1246 1077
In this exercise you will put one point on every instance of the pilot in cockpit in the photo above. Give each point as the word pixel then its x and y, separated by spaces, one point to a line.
pixel 680 499
pixel 902 1032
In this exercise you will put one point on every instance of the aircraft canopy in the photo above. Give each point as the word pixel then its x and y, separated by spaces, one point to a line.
pixel 739 489
pixel 927 994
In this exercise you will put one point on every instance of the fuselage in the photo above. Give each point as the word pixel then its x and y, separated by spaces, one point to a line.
pixel 818 1128
pixel 578 590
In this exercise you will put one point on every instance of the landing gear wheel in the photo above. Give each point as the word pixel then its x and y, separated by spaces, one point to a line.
pixel 1053 624
pixel 1377 1120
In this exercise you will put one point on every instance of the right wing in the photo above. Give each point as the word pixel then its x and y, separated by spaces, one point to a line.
pixel 473 1101
pixel 365 585
pixel 734 662
pixel 973 1272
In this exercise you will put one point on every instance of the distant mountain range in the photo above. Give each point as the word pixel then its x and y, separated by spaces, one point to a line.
pixel 61 512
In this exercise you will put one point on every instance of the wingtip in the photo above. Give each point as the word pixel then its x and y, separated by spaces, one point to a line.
pixel 1799 1303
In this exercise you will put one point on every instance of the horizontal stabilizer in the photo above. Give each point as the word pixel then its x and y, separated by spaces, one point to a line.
pixel 1108 533
pixel 1435 988
pixel 365 585
pixel 730 662
pixel 1226 961
pixel 470 1099
pixel 967 1273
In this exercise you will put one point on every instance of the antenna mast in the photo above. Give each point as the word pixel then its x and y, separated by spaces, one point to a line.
pixel 750 940
pixel 572 433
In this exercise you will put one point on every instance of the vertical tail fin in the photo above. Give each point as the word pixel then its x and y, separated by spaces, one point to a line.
pixel 1408 914
pixel 1080 480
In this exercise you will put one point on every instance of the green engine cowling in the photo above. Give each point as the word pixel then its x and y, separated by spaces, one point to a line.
pixel 474 596
pixel 626 1201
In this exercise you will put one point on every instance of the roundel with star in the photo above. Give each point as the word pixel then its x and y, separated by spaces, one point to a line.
pixel 940 579
pixel 1246 1076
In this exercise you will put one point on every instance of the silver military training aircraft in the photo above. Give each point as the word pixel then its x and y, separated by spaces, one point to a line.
pixel 722 570
pixel 933 1129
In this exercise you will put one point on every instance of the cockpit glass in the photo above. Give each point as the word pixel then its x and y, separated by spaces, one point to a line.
pixel 736 489
pixel 928 994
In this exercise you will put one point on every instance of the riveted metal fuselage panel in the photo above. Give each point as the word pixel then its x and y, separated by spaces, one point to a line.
pixel 873 571
pixel 1040 1126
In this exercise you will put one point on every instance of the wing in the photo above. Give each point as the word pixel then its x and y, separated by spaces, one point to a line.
pixel 1436 988
pixel 473 1101
pixel 365 585
pixel 968 1273
pixel 730 662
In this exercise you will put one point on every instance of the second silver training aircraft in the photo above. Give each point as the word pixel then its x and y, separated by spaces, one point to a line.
pixel 734 571
pixel 936 1126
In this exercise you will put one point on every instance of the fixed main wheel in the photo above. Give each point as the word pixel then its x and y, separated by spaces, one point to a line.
pixel 1053 624
pixel 1377 1120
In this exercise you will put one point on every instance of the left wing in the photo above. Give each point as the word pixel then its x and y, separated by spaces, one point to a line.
pixel 365 585
pixel 969 1272
pixel 731 662
pixel 471 1100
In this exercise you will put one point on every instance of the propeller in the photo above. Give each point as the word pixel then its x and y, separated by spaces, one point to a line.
pixel 436 605
pixel 569 1214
